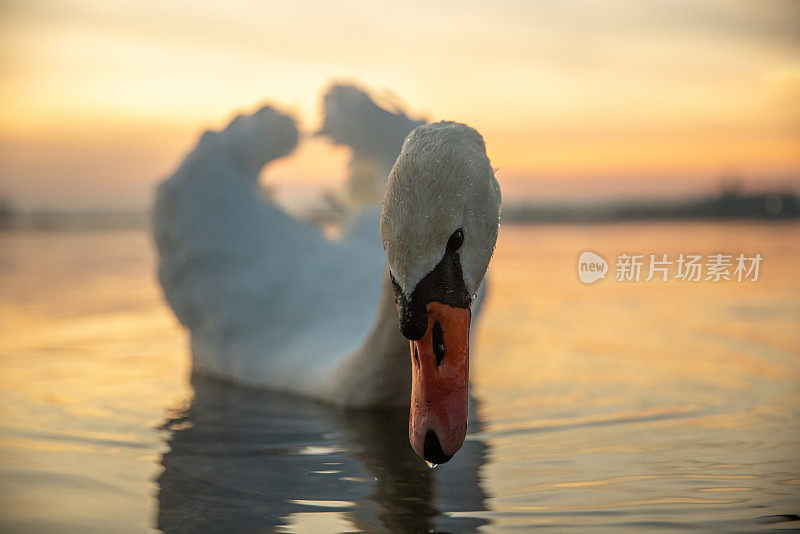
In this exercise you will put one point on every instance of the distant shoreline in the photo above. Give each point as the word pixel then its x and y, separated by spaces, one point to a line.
pixel 55 221
pixel 725 206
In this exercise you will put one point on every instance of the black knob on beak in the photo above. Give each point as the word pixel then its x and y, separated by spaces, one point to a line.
pixel 413 319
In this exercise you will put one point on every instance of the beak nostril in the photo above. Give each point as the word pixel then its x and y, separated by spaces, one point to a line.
pixel 432 450
pixel 437 337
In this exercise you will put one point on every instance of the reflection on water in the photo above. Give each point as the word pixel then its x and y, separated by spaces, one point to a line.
pixel 606 407
pixel 243 460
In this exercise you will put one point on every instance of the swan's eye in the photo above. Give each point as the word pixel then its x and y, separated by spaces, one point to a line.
pixel 454 243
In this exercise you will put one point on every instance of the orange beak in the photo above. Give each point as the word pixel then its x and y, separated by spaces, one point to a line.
pixel 439 384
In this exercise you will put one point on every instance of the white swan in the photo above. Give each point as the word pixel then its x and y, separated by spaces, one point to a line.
pixel 271 303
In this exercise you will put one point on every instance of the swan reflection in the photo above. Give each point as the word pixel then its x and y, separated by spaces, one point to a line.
pixel 242 460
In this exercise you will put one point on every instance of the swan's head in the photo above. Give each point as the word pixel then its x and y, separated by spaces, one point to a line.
pixel 439 228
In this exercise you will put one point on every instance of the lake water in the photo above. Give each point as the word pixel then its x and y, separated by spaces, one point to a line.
pixel 605 407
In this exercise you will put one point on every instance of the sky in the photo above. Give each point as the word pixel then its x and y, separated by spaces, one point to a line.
pixel 585 99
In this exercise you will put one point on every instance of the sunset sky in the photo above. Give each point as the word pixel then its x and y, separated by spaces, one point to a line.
pixel 576 99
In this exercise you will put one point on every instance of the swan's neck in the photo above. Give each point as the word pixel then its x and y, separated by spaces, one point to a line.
pixel 379 373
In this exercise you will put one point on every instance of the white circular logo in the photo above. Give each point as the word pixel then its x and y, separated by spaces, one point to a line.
pixel 591 267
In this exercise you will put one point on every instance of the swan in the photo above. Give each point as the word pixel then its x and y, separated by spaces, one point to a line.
pixel 271 303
